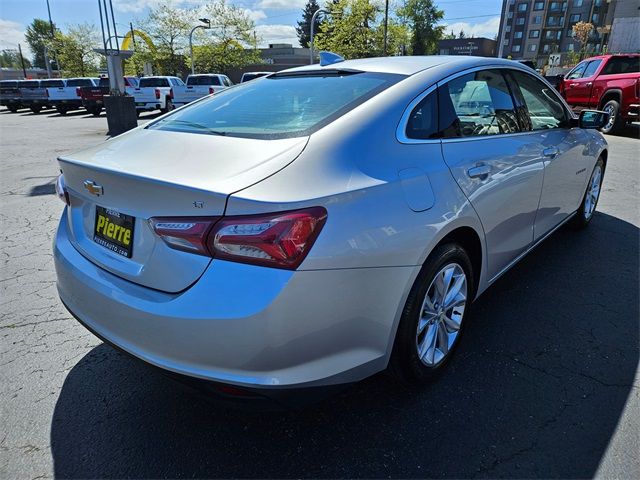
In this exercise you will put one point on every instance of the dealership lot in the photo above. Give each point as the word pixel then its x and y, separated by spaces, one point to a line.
pixel 545 384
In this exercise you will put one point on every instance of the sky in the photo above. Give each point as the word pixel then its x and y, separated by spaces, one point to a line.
pixel 275 19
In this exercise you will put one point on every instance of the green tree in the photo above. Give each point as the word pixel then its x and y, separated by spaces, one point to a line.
pixel 229 43
pixel 169 27
pixel 11 59
pixel 304 25
pixel 38 35
pixel 462 34
pixel 75 50
pixel 422 16
pixel 354 30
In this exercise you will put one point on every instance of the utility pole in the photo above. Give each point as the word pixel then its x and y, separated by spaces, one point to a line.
pixel 386 23
pixel 24 70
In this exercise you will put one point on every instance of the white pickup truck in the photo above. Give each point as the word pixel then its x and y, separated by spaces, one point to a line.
pixel 156 93
pixel 65 96
pixel 198 86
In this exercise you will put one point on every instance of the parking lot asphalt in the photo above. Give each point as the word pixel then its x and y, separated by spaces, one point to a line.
pixel 545 382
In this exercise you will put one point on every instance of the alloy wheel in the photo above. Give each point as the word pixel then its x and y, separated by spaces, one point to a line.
pixel 611 110
pixel 593 192
pixel 441 314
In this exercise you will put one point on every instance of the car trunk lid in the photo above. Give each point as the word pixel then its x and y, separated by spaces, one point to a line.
pixel 152 173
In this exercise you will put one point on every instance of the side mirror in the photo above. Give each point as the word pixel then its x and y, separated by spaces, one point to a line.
pixel 593 119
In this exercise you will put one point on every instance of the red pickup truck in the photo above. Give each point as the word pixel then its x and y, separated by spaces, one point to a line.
pixel 93 97
pixel 606 82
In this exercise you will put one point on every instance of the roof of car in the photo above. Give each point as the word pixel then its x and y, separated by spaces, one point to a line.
pixel 408 65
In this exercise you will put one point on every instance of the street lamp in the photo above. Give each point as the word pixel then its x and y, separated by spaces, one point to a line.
pixel 207 23
pixel 313 24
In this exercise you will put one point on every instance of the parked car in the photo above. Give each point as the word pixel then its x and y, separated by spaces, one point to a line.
pixel 10 95
pixel 65 94
pixel 198 86
pixel 324 223
pixel 247 76
pixel 33 95
pixel 606 82
pixel 156 93
pixel 93 96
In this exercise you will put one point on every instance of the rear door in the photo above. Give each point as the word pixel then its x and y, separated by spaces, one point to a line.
pixel 499 169
pixel 567 166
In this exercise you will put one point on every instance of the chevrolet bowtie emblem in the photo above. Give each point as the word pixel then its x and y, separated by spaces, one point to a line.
pixel 93 188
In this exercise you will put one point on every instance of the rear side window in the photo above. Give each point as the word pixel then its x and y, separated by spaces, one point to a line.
pixel 617 65
pixel 210 80
pixel 51 83
pixel 153 82
pixel 30 84
pixel 279 107
pixel 543 106
pixel 477 104
pixel 79 82
pixel 131 81
pixel 423 121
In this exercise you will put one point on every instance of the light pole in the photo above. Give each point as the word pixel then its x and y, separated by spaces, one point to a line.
pixel 207 23
pixel 312 28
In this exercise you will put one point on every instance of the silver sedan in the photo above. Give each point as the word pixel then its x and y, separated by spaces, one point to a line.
pixel 321 224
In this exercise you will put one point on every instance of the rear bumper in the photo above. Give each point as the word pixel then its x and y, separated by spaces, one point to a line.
pixel 92 103
pixel 244 325
pixel 66 103
pixel 148 106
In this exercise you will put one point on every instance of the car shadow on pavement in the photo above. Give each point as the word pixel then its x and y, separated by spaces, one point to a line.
pixel 536 389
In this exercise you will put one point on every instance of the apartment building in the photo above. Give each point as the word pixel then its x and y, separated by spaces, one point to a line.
pixel 533 29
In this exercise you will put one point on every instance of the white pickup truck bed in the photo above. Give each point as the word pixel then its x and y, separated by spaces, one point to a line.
pixel 67 96
pixel 156 93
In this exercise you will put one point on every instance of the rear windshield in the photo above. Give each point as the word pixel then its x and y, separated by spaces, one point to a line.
pixel 153 82
pixel 8 83
pixel 617 65
pixel 278 107
pixel 51 83
pixel 211 80
pixel 79 82
pixel 250 76
pixel 103 82
pixel 30 84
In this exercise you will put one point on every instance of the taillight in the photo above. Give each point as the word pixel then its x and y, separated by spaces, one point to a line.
pixel 77 91
pixel 157 93
pixel 280 240
pixel 211 91
pixel 61 190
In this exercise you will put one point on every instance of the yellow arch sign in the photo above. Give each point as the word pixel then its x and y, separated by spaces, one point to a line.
pixel 128 40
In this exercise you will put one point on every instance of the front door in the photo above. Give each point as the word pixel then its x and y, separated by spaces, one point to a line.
pixel 499 169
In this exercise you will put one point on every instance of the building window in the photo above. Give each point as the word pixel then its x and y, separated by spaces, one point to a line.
pixel 598 3
pixel 510 15
pixel 517 35
pixel 508 29
pixel 571 47
pixel 520 21
pixel 534 33
pixel 546 48
pixel 574 18
pixel 515 48
pixel 506 42
pixel 577 3
pixel 594 18
pixel 522 7
pixel 536 20
pixel 532 47
pixel 538 6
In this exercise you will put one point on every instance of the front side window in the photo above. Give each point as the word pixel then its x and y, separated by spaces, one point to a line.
pixel 543 106
pixel 477 104
pixel 591 68
pixel 577 71
pixel 281 106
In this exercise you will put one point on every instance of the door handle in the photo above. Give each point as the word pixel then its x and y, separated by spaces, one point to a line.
pixel 479 171
pixel 551 152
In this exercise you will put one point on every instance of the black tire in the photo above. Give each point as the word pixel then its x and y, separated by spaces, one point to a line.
pixel 168 106
pixel 61 110
pixel 35 109
pixel 405 362
pixel 95 111
pixel 581 219
pixel 13 108
pixel 612 107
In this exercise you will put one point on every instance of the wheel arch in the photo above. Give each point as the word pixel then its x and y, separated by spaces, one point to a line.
pixel 469 239
pixel 611 94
